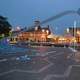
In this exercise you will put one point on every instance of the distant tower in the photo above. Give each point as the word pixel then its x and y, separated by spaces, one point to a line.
pixel 37 25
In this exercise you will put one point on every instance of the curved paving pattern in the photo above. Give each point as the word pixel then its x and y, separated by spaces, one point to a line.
pixel 49 64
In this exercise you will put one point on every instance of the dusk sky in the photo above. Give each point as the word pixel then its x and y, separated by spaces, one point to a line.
pixel 25 12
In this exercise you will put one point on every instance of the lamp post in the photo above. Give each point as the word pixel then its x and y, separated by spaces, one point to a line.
pixel 74 34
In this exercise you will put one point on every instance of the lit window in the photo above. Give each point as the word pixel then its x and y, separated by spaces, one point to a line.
pixel 8 40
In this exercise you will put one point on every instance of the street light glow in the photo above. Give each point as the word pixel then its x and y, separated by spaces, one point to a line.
pixel 47 31
pixel 67 30
pixel 78 32
pixel 43 30
pixel 18 28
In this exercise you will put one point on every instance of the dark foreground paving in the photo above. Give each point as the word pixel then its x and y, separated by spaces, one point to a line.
pixel 75 73
pixel 55 64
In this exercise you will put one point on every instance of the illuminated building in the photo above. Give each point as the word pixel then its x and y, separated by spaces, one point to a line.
pixel 75 32
pixel 36 33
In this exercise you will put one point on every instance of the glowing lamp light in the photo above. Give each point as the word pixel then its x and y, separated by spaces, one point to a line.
pixel 74 40
pixel 36 28
pixel 8 40
pixel 62 39
pixel 47 31
pixel 78 32
pixel 18 28
pixel 67 30
pixel 43 30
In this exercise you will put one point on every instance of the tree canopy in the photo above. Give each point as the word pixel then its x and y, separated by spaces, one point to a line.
pixel 5 26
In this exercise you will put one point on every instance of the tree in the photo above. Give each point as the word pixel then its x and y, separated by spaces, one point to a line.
pixel 5 26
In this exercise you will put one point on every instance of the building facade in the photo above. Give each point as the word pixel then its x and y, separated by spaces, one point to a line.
pixel 35 34
pixel 75 32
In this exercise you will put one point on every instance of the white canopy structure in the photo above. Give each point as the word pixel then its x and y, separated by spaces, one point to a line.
pixel 52 36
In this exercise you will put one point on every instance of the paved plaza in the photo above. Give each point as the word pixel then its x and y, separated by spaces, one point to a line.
pixel 47 63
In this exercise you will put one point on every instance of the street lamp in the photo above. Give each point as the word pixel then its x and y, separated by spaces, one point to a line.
pixel 67 30
pixel 74 34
